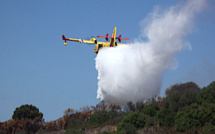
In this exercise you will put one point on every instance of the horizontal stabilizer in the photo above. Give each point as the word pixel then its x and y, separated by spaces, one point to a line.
pixel 107 37
pixel 104 37
pixel 119 38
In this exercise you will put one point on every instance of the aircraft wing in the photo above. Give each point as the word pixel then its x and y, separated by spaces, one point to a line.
pixel 118 44
pixel 78 40
pixel 87 41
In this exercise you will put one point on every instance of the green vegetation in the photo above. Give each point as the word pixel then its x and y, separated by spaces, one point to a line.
pixel 207 94
pixel 27 112
pixel 75 131
pixel 195 116
pixel 100 117
pixel 185 109
pixel 26 119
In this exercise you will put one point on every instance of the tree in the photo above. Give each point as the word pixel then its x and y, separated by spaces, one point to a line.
pixel 132 120
pixel 195 116
pixel 207 94
pixel 27 112
pixel 181 95
pixel 131 106
pixel 126 128
pixel 139 105
pixel 182 87
pixel 166 117
pixel 151 109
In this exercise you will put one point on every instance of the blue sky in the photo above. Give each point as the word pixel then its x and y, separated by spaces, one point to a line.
pixel 36 68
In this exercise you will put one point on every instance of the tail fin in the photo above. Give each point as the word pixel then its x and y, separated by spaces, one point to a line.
pixel 113 39
pixel 63 37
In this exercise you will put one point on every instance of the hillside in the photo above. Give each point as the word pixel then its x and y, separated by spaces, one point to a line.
pixel 185 109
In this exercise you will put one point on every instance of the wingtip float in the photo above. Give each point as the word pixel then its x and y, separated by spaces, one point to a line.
pixel 99 44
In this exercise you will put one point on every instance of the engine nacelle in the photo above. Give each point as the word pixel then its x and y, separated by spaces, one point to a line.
pixel 94 40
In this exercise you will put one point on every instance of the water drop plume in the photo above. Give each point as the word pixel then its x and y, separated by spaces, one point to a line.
pixel 134 72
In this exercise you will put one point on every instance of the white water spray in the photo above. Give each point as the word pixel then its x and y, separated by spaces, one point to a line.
pixel 134 72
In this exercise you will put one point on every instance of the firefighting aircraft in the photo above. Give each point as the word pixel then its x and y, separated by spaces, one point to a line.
pixel 99 44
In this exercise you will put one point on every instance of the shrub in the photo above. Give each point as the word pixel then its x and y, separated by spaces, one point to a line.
pixel 137 119
pixel 2 132
pixel 207 94
pixel 166 117
pixel 181 95
pixel 208 128
pixel 126 128
pixel 151 109
pixel 194 116
pixel 75 131
pixel 100 117
pixel 74 123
